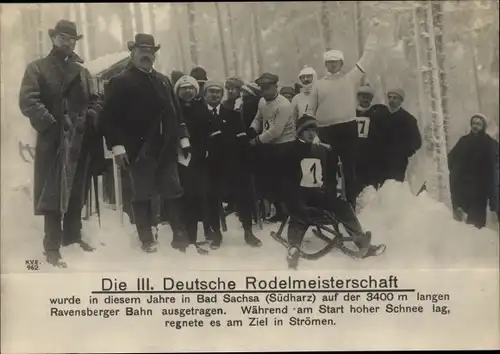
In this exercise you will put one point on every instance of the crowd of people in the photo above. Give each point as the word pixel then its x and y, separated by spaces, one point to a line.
pixel 178 138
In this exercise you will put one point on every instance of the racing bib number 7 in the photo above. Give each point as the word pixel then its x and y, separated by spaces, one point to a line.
pixel 363 127
pixel 312 174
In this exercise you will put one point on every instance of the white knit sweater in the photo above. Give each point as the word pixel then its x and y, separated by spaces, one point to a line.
pixel 333 98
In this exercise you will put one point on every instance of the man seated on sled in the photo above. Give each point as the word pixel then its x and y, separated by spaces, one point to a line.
pixel 303 163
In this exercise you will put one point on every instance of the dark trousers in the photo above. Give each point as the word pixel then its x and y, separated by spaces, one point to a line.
pixel 235 188
pixel 72 223
pixel 343 138
pixel 396 168
pixel 322 200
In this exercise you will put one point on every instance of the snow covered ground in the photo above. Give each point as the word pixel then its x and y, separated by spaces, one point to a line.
pixel 418 231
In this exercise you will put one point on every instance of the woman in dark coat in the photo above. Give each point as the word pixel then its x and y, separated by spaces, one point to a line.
pixel 473 164
pixel 193 176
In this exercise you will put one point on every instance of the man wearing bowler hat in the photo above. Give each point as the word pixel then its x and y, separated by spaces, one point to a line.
pixel 56 96
pixel 143 125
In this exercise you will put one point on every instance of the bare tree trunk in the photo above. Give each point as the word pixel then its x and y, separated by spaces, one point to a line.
pixel 126 22
pixel 221 37
pixel 232 40
pixel 440 152
pixel 181 51
pixel 253 69
pixel 91 18
pixel 418 71
pixel 325 25
pixel 258 39
pixel 298 50
pixel 193 43
pixel 152 17
pixel 437 11
pixel 139 21
pixel 40 46
pixel 477 86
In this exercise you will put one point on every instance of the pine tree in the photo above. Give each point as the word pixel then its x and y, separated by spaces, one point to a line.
pixel 432 79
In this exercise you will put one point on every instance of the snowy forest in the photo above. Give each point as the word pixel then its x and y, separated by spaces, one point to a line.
pixel 444 54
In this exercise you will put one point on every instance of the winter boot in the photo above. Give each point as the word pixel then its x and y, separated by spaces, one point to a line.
pixel 54 258
pixel 149 246
pixel 292 257
pixel 251 240
pixel 216 240
pixel 85 246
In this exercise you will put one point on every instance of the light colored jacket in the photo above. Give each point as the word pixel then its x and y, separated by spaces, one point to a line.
pixel 333 98
pixel 274 121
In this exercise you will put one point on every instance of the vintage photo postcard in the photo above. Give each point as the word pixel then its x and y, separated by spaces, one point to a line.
pixel 249 176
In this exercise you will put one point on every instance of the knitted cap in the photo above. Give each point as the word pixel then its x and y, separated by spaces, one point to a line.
pixel 251 88
pixel 305 122
pixel 366 90
pixel 267 79
pixel 333 55
pixel 234 82
pixel 214 83
pixel 307 71
pixel 398 91
pixel 482 117
pixel 199 73
pixel 187 80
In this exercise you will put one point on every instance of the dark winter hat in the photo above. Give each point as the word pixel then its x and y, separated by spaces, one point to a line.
pixel 305 122
pixel 234 82
pixel 287 90
pixel 66 27
pixel 267 79
pixel 482 117
pixel 199 73
pixel 252 89
pixel 143 40
pixel 176 75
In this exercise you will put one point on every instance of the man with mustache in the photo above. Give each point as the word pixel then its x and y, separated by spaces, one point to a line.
pixel 143 125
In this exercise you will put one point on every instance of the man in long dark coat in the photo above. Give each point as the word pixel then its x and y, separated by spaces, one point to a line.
pixel 473 164
pixel 56 97
pixel 143 125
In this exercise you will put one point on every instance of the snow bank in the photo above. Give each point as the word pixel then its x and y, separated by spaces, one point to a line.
pixel 419 233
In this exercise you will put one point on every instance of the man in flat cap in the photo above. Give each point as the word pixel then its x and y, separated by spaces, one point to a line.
pixel 401 136
pixel 233 87
pixel 333 104
pixel 143 125
pixel 56 96
pixel 273 126
pixel 230 178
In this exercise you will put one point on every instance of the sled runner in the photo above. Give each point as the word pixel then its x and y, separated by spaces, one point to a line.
pixel 325 223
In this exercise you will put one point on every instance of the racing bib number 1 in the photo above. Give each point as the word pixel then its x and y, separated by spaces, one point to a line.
pixel 363 127
pixel 312 174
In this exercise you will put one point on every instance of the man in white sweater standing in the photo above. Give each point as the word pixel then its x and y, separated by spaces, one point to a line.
pixel 333 103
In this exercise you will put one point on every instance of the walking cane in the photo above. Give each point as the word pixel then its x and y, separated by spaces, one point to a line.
pixel 118 190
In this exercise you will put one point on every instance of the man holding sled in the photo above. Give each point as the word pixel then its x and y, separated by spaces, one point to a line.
pixel 303 162
pixel 143 125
